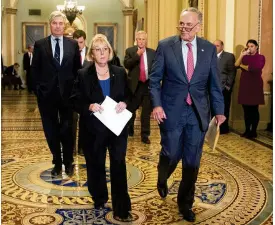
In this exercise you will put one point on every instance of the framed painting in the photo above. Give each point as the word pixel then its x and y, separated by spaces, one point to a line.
pixel 109 30
pixel 31 32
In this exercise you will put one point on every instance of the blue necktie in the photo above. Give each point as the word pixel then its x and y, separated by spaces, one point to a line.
pixel 57 51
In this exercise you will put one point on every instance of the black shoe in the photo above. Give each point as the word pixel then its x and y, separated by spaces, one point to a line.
pixel 101 206
pixel 131 131
pixel 56 171
pixel 188 215
pixel 224 131
pixel 245 134
pixel 80 152
pixel 21 88
pixel 252 134
pixel 69 169
pixel 162 189
pixel 146 140
pixel 128 218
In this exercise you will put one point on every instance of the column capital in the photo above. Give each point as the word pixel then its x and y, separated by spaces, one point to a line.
pixel 10 11
pixel 128 11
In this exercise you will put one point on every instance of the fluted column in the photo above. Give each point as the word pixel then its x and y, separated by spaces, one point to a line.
pixel 128 27
pixel 9 35
pixel 152 12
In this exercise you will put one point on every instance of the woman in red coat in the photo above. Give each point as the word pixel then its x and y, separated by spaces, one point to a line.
pixel 251 93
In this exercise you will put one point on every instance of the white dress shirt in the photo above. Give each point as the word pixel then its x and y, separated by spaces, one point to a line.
pixel 185 52
pixel 83 54
pixel 145 64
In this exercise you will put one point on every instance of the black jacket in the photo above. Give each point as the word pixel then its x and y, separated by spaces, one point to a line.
pixel 87 90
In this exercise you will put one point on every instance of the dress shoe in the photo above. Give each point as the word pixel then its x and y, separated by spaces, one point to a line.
pixel 127 218
pixel 101 206
pixel 245 134
pixel 252 134
pixel 162 189
pixel 188 215
pixel 224 131
pixel 69 169
pixel 146 140
pixel 80 152
pixel 56 171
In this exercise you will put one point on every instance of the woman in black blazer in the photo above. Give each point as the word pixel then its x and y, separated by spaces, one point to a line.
pixel 95 82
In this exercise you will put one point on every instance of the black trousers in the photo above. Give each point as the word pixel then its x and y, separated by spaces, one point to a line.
pixel 227 101
pixel 142 98
pixel 29 81
pixel 251 117
pixel 95 148
pixel 57 119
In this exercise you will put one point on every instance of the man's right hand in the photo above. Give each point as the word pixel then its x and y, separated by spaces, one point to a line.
pixel 159 114
pixel 140 51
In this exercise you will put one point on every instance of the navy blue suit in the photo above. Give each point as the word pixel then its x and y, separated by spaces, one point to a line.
pixel 182 133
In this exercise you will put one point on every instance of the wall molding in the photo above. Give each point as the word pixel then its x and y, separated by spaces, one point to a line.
pixel 11 11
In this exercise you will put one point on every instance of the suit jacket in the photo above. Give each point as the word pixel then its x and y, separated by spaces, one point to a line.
pixel 131 62
pixel 47 75
pixel 87 90
pixel 227 69
pixel 171 94
pixel 26 62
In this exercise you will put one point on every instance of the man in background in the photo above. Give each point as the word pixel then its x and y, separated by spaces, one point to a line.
pixel 227 73
pixel 138 60
pixel 27 60
pixel 56 60
pixel 80 37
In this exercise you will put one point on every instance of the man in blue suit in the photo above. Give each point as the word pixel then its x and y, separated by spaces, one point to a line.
pixel 184 85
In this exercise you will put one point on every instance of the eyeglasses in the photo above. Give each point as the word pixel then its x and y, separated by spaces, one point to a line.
pixel 100 50
pixel 182 27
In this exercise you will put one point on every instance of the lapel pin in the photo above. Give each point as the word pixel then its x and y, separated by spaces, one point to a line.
pixel 202 50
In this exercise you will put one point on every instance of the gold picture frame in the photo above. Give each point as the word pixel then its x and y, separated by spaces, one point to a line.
pixel 109 30
pixel 31 32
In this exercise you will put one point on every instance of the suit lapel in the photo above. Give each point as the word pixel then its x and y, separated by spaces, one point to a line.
pixel 94 82
pixel 200 52
pixel 177 49
pixel 66 47
pixel 48 47
pixel 112 81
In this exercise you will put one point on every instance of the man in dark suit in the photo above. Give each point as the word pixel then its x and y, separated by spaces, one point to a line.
pixel 27 60
pixel 138 60
pixel 184 85
pixel 227 69
pixel 80 37
pixel 55 63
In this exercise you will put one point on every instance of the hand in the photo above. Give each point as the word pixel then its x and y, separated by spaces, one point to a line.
pixel 159 114
pixel 140 51
pixel 120 107
pixel 220 119
pixel 96 108
pixel 244 52
pixel 227 88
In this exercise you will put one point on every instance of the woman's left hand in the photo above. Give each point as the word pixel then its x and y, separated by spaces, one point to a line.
pixel 120 107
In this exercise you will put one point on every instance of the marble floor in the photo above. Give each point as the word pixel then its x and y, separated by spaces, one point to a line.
pixel 235 183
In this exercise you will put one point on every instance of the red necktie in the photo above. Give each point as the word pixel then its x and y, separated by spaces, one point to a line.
pixel 142 74
pixel 190 69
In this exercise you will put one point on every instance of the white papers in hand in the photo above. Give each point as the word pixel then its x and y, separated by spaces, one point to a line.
pixel 212 134
pixel 112 120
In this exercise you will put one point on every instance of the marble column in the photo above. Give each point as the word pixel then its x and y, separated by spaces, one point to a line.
pixel 128 27
pixel 9 36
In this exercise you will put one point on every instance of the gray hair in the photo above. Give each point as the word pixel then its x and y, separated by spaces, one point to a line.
pixel 195 10
pixel 55 14
pixel 141 32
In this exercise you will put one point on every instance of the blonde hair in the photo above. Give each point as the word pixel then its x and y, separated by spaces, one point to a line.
pixel 141 32
pixel 194 10
pixel 55 14
pixel 101 39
